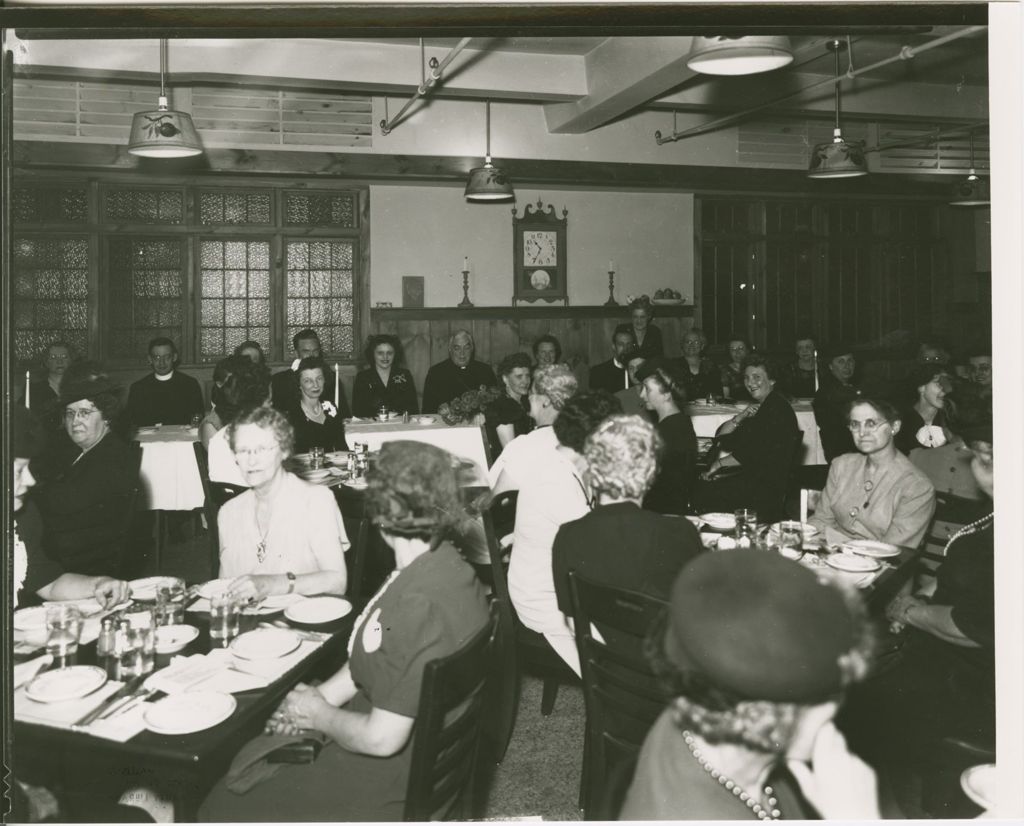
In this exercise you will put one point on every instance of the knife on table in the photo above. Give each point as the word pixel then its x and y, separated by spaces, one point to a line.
pixel 126 690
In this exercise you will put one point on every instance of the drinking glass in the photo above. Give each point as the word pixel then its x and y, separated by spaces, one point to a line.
pixel 746 528
pixel 789 541
pixel 137 652
pixel 316 458
pixel 63 628
pixel 170 602
pixel 224 614
pixel 195 422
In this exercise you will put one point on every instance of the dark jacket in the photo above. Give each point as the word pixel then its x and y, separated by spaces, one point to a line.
pixel 652 345
pixel 706 382
pixel 175 401
pixel 445 381
pixel 284 391
pixel 330 435
pixel 677 466
pixel 369 392
pixel 829 404
pixel 608 376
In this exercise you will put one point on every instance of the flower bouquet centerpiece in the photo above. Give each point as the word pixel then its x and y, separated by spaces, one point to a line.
pixel 469 405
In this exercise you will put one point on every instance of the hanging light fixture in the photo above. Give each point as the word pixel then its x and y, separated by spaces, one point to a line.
pixel 748 55
pixel 163 133
pixel 840 158
pixel 974 190
pixel 489 182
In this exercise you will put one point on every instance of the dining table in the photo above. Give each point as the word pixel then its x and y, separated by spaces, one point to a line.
pixel 465 441
pixel 189 764
pixel 707 418
pixel 169 474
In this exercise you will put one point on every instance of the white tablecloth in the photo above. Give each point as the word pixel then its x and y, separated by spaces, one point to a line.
pixel 465 441
pixel 169 474
pixel 707 420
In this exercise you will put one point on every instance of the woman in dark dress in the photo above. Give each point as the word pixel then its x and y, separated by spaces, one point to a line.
pixel 733 383
pixel 648 337
pixel 925 421
pixel 384 382
pixel 700 375
pixel 509 415
pixel 427 610
pixel 762 440
pixel 316 421
pixel 799 377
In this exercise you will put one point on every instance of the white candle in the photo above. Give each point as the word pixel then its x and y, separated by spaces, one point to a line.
pixel 815 371
pixel 611 265
pixel 465 264
pixel 803 506
pixel 337 388
pixel 28 378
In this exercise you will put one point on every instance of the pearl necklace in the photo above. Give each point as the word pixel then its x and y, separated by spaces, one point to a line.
pixel 973 527
pixel 733 786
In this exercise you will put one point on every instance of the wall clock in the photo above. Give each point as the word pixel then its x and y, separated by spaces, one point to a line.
pixel 539 254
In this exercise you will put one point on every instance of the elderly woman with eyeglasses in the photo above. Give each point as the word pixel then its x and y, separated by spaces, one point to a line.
pixel 283 535
pixel 876 493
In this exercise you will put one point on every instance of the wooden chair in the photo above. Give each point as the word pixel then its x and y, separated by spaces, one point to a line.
pixel 449 721
pixel 215 494
pixel 128 535
pixel 952 512
pixel 622 695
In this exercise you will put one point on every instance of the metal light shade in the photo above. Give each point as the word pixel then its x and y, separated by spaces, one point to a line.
pixel 163 133
pixel 739 55
pixel 838 159
pixel 489 183
pixel 973 191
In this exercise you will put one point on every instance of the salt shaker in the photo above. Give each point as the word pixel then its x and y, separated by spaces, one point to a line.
pixel 382 413
pixel 106 640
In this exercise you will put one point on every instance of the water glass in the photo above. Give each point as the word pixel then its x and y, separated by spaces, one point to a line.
pixel 63 628
pixel 170 597
pixel 195 422
pixel 316 457
pixel 224 614
pixel 789 540
pixel 746 528
pixel 136 654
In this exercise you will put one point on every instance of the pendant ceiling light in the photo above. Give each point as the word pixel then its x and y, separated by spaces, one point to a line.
pixel 163 133
pixel 739 55
pixel 840 158
pixel 488 182
pixel 974 190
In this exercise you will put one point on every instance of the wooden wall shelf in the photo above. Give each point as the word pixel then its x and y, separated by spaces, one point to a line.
pixel 454 314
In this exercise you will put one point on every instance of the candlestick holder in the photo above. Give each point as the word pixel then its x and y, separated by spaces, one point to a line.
pixel 465 290
pixel 611 302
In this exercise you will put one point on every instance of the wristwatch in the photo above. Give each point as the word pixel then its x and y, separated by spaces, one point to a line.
pixel 291 582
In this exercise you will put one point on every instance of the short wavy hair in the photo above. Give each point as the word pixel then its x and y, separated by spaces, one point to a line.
pixel 547 338
pixel 884 407
pixel 582 414
pixel 251 345
pixel 269 419
pixel 771 367
pixel 557 382
pixel 668 374
pixel 720 715
pixel 697 331
pixel 374 341
pixel 245 386
pixel 512 361
pixel 413 491
pixel 622 456
pixel 312 363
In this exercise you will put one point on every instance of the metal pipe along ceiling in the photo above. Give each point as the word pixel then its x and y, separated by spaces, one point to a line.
pixel 435 75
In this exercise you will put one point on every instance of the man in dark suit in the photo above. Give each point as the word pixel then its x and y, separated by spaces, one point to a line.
pixel 456 374
pixel 284 385
pixel 613 375
pixel 165 396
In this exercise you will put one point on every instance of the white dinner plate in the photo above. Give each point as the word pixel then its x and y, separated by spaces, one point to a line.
pixel 172 638
pixel 87 607
pixel 979 784
pixel 337 457
pixel 188 711
pixel 66 683
pixel 265 644
pixel 215 586
pixel 145 589
pixel 852 562
pixel 719 521
pixel 30 619
pixel 354 483
pixel 868 547
pixel 315 475
pixel 316 610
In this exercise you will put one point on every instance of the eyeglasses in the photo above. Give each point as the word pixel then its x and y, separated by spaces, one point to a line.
pixel 262 450
pixel 867 426
pixel 79 413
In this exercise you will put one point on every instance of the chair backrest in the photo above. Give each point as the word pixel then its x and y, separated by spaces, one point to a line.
pixel 215 494
pixel 448 724
pixel 622 695
pixel 952 512
pixel 503 513
pixel 131 502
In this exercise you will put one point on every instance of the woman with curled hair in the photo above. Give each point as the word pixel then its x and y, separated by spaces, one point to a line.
pixel 732 372
pixel 926 419
pixel 253 351
pixel 663 391
pixel 877 492
pixel 385 382
pixel 553 386
pixel 756 654
pixel 430 606
pixel 618 543
pixel 509 416
pixel 648 337
pixel 700 375
pixel 245 386
pixel 316 421
pixel 283 535
pixel 546 350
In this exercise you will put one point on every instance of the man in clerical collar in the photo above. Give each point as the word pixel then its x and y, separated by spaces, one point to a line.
pixel 456 374
pixel 165 396
pixel 284 385
pixel 613 375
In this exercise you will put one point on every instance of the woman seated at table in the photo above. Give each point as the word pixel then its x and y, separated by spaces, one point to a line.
pixel 316 421
pixel 876 493
pixel 213 421
pixel 509 415
pixel 556 494
pixel 384 383
pixel 253 351
pixel 701 377
pixel 925 421
pixel 427 610
pixel 284 535
pixel 941 681
pixel 762 440
pixel 799 378
pixel 246 386
pixel 87 481
pixel 756 653
pixel 732 376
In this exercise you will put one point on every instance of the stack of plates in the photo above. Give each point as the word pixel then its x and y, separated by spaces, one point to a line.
pixel 719 521
pixel 870 548
pixel 318 610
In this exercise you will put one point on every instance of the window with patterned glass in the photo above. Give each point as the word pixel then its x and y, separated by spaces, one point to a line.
pixel 49 293
pixel 234 296
pixel 235 208
pixel 146 289
pixel 319 292
pixel 320 209
pixel 51 204
pixel 136 205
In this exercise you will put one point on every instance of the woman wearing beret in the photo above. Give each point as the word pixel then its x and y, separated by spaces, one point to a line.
pixel 756 653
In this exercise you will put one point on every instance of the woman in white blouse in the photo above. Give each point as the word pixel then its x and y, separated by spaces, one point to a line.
pixel 283 535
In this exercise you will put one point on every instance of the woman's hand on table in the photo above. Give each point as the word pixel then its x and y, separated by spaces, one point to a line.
pixel 252 587
pixel 109 591
pixel 836 782
pixel 304 705
pixel 898 609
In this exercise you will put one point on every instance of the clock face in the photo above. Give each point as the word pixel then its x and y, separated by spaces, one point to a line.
pixel 540 248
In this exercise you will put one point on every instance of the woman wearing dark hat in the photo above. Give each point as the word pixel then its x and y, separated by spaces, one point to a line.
pixel 757 653
pixel 925 421
pixel 427 609
pixel 837 389
pixel 86 486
